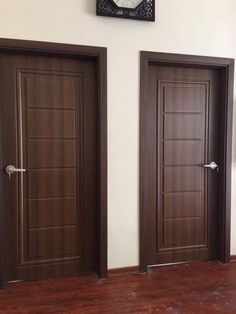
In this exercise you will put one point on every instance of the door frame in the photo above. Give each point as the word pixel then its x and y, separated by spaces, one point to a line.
pixel 99 54
pixel 226 66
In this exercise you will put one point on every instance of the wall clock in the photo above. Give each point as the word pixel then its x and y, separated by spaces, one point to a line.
pixel 130 9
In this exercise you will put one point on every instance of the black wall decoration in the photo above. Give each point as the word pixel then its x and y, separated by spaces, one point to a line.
pixel 130 9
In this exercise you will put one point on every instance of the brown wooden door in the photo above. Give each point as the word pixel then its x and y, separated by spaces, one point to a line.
pixel 180 136
pixel 50 129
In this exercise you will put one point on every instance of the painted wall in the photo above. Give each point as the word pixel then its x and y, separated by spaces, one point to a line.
pixel 203 27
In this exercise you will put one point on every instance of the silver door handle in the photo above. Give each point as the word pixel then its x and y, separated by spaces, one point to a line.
pixel 212 165
pixel 10 169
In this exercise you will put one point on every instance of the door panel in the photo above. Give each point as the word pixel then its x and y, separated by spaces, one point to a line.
pixel 50 90
pixel 180 233
pixel 182 126
pixel 39 248
pixel 51 153
pixel 180 152
pixel 43 183
pixel 181 205
pixel 39 124
pixel 181 179
pixel 51 212
pixel 182 97
pixel 52 127
pixel 180 136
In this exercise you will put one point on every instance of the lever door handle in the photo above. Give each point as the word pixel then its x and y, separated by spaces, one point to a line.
pixel 10 169
pixel 212 165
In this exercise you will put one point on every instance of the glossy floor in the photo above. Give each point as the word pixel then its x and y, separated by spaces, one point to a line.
pixel 205 287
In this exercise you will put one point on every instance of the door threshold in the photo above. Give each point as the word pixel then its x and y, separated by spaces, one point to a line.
pixel 14 281
pixel 171 264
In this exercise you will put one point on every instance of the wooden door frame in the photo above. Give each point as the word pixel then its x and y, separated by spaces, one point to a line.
pixel 99 54
pixel 227 67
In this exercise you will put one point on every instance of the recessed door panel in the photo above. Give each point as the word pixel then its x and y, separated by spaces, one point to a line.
pixel 51 153
pixel 40 126
pixel 183 97
pixel 41 249
pixel 182 179
pixel 50 90
pixel 182 233
pixel 183 126
pixel 43 183
pixel 180 152
pixel 51 212
pixel 180 116
pixel 182 205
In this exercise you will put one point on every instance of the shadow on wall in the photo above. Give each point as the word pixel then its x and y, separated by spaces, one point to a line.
pixel 234 133
pixel 90 7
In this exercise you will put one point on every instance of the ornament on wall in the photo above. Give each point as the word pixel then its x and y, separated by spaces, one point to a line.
pixel 130 9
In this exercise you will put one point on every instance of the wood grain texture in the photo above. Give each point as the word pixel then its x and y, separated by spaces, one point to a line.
pixel 48 153
pixel 177 101
pixel 206 287
pixel 48 243
pixel 123 270
pixel 51 212
pixel 180 152
pixel 98 57
pixel 183 126
pixel 182 205
pixel 51 248
pixel 40 126
pixel 183 122
pixel 44 183
pixel 50 90
pixel 182 178
pixel 183 119
pixel 182 233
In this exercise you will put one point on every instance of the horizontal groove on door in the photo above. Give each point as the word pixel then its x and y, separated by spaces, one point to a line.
pixel 51 168
pixel 49 108
pixel 182 165
pixel 180 139
pixel 182 218
pixel 172 192
pixel 50 138
pixel 182 113
pixel 51 227
pixel 50 197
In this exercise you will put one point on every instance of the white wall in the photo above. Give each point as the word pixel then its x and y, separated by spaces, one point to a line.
pixel 204 27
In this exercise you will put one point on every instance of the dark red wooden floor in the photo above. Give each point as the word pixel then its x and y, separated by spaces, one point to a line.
pixel 205 287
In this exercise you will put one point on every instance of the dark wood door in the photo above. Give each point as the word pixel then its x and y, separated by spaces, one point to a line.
pixel 181 135
pixel 50 130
